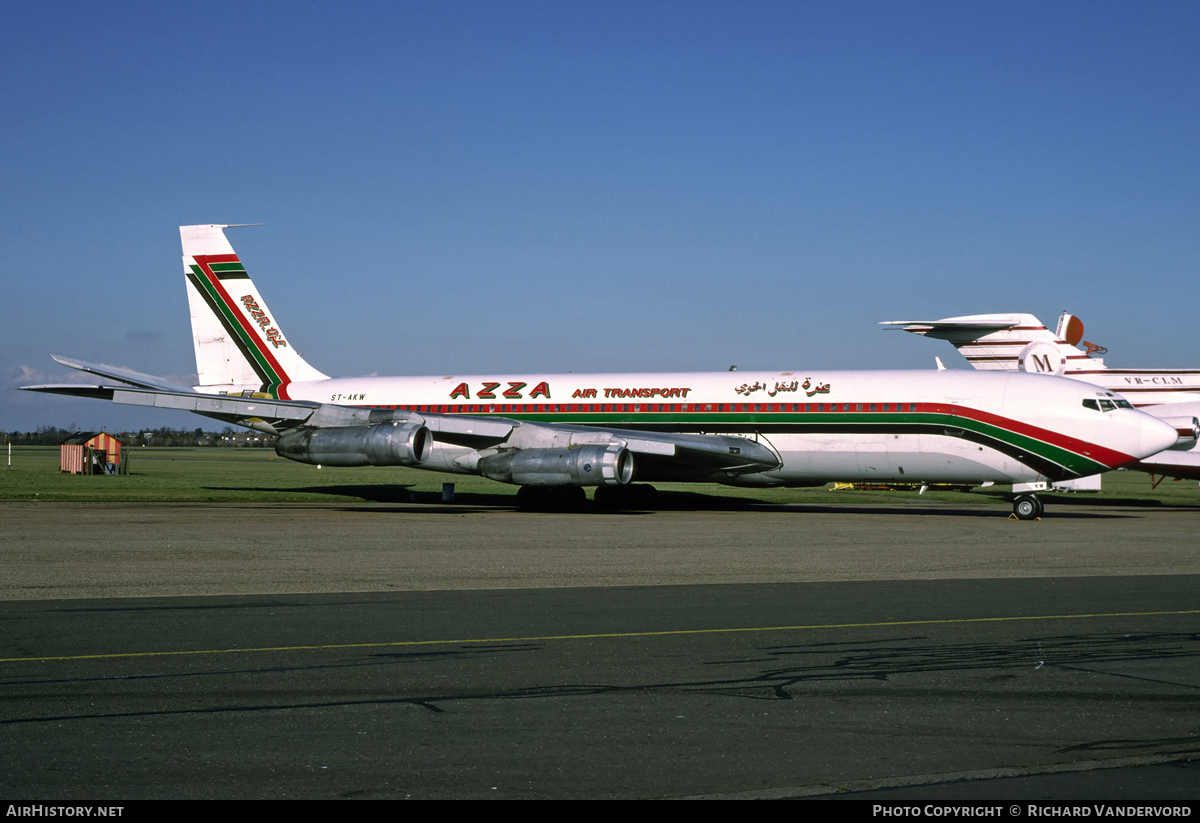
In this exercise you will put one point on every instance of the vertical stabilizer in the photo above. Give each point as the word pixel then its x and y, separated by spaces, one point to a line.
pixel 239 345
pixel 1010 342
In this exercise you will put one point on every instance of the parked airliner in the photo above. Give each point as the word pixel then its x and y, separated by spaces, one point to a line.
pixel 554 434
pixel 1019 342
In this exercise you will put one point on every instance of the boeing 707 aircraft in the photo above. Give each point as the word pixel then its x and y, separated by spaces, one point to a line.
pixel 555 434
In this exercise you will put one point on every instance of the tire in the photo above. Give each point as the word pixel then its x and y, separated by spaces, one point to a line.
pixel 637 496
pixel 644 496
pixel 551 498
pixel 567 498
pixel 533 498
pixel 607 497
pixel 1027 507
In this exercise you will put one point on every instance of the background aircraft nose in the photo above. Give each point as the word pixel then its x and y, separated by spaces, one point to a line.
pixel 1156 435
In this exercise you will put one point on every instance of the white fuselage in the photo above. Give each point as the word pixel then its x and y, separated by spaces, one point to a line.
pixel 928 426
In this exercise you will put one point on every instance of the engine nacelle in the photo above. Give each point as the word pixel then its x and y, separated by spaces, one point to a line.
pixel 386 444
pixel 1188 429
pixel 610 465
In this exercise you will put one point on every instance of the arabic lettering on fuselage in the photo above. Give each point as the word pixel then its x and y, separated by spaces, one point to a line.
pixel 808 387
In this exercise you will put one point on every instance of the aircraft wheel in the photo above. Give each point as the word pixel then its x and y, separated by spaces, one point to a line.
pixel 644 496
pixel 607 497
pixel 637 496
pixel 534 498
pixel 568 498
pixel 551 498
pixel 1027 507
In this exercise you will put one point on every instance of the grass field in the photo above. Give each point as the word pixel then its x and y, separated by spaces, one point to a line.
pixel 182 475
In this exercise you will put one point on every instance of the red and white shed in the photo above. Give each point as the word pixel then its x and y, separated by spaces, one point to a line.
pixel 90 453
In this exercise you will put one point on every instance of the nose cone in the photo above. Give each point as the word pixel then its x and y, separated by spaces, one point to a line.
pixel 1154 435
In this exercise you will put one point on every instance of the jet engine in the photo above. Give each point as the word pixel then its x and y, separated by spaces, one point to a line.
pixel 610 465
pixel 386 444
pixel 1188 429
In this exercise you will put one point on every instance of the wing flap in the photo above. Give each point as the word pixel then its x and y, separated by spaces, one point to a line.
pixel 212 404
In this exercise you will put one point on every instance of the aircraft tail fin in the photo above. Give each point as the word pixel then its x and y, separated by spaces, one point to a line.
pixel 1011 342
pixel 239 345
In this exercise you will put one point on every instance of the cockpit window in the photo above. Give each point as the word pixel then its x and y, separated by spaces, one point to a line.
pixel 1104 404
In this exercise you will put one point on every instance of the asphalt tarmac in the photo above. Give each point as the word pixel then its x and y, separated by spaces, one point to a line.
pixel 392 651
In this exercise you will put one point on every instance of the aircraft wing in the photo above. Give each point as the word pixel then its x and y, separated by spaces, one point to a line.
pixel 267 415
pixel 673 453
pixel 665 455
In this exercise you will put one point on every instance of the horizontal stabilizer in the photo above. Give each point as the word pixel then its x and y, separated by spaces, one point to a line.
pixel 948 324
pixel 1007 342
pixel 135 378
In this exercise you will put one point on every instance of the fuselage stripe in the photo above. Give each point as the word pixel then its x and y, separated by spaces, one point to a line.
pixel 1026 443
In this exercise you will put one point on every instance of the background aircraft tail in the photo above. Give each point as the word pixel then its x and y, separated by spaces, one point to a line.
pixel 1012 342
pixel 239 345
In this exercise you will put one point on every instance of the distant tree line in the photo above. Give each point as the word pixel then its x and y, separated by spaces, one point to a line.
pixel 228 437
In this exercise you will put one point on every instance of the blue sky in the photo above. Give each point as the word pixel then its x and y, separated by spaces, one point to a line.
pixel 477 187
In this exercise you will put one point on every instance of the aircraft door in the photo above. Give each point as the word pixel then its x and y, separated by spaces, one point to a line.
pixel 874 461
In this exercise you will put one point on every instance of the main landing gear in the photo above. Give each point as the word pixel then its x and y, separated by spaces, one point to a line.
pixel 634 496
pixel 551 498
pixel 573 498
pixel 1027 507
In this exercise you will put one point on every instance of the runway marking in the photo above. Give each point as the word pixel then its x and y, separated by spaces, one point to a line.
pixel 671 632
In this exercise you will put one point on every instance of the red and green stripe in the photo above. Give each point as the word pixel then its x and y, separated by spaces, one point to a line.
pixel 207 274
pixel 1052 454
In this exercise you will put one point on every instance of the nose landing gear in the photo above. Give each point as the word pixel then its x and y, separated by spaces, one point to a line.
pixel 1027 507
